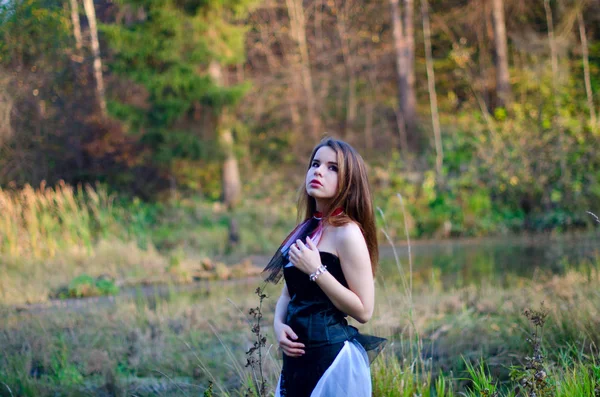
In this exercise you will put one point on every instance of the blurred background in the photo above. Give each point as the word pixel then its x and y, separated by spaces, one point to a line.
pixel 153 149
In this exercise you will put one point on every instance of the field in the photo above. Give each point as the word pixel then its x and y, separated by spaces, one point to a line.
pixel 149 326
pixel 178 343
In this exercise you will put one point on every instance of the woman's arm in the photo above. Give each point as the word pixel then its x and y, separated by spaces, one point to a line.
pixel 281 307
pixel 283 332
pixel 359 299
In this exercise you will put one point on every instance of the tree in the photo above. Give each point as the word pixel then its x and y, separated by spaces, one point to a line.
pixel 90 13
pixel 76 23
pixel 503 91
pixel 586 70
pixel 555 94
pixel 435 119
pixel 183 69
pixel 231 174
pixel 403 32
pixel 33 36
pixel 342 16
pixel 298 29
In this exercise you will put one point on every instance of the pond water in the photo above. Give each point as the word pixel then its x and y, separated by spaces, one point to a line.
pixel 461 262
pixel 445 263
pixel 456 263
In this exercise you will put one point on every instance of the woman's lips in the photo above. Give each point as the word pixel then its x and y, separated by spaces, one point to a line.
pixel 314 182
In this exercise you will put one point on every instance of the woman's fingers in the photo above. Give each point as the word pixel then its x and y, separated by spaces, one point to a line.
pixel 292 349
pixel 289 347
pixel 300 245
pixel 293 352
pixel 311 244
pixel 290 344
pixel 289 332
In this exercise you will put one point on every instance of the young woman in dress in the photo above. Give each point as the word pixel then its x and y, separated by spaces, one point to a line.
pixel 328 263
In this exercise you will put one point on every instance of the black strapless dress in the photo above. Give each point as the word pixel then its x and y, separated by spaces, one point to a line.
pixel 320 326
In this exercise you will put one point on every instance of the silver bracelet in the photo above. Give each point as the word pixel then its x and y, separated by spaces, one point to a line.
pixel 322 269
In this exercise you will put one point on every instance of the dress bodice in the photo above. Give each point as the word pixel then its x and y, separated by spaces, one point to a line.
pixel 301 288
pixel 311 314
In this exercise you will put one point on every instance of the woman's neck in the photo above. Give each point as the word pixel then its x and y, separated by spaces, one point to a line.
pixel 322 207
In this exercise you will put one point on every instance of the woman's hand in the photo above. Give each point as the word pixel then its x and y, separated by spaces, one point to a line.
pixel 305 258
pixel 285 338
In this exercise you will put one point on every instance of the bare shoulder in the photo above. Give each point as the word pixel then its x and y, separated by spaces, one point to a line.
pixel 349 235
pixel 353 252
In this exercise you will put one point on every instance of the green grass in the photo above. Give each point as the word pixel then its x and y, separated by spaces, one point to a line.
pixel 86 286
pixel 468 339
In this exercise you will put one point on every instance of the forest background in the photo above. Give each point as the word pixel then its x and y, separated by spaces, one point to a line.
pixel 185 125
pixel 482 114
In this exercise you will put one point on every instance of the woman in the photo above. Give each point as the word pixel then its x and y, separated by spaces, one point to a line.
pixel 328 263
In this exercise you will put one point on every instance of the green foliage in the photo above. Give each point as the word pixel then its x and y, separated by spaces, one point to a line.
pixel 532 377
pixel 528 165
pixel 209 390
pixel 579 380
pixel 62 371
pixel 443 387
pixel 25 27
pixel 483 384
pixel 186 36
pixel 169 51
pixel 85 286
pixel 394 377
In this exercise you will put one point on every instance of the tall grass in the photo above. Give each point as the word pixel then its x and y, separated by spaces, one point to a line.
pixel 392 377
pixel 51 235
pixel 40 222
pixel 409 373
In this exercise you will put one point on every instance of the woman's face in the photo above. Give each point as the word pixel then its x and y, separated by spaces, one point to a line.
pixel 322 175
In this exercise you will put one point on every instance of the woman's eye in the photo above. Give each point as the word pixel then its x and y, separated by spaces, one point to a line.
pixel 315 164
pixel 333 168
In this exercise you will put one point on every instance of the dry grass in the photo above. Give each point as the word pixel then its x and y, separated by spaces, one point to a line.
pixel 200 337
pixel 49 236
pixel 39 223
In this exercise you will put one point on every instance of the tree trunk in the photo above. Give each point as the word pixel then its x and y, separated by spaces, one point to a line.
pixel 371 101
pixel 349 63
pixel 503 91
pixel 586 71
pixel 231 185
pixel 405 115
pixel 410 99
pixel 6 108
pixel 401 124
pixel 553 53
pixel 483 63
pixel 318 25
pixel 90 12
pixel 298 29
pixel 231 182
pixel 369 110
pixel 76 24
pixel 554 63
pixel 274 66
pixel 435 119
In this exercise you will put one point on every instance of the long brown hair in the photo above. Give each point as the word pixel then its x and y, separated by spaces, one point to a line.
pixel 353 195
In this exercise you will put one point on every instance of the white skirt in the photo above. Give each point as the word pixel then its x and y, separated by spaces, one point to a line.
pixel 348 375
